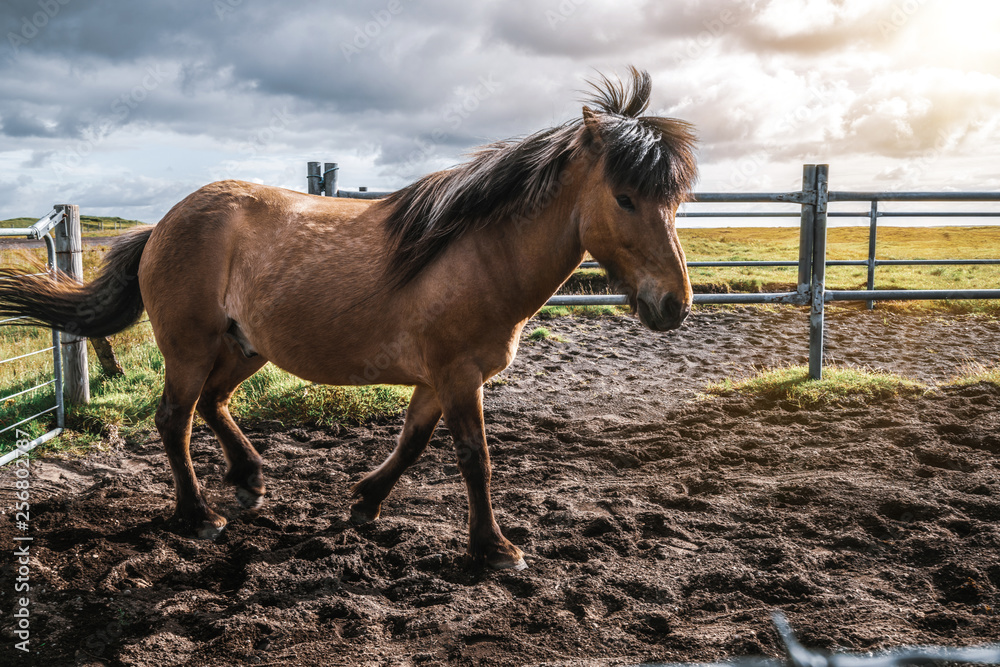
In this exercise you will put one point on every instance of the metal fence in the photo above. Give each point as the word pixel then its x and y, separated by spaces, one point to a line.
pixel 39 230
pixel 813 201
pixel 797 655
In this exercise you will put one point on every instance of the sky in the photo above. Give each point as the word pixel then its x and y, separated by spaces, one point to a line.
pixel 124 108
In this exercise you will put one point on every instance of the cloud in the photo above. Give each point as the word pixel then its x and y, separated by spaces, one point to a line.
pixel 920 111
pixel 181 92
pixel 814 27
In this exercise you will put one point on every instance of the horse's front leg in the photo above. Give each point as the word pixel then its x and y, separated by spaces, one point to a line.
pixel 463 414
pixel 421 419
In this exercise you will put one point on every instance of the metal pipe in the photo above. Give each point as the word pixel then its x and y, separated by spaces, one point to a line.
pixel 791 298
pixel 57 369
pixel 588 300
pixel 28 419
pixel 38 229
pixel 749 197
pixel 806 230
pixel 704 265
pixel 26 391
pixel 48 223
pixel 17 231
pixel 737 214
pixel 353 194
pixel 330 176
pixel 872 234
pixel 911 294
pixel 816 313
pixel 313 178
pixel 914 196
pixel 22 356
pixel 933 262
pixel 21 451
pixel 939 214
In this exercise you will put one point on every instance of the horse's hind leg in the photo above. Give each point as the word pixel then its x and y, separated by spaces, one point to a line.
pixel 231 368
pixel 422 417
pixel 183 382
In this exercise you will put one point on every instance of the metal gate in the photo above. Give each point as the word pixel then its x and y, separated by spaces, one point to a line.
pixel 39 230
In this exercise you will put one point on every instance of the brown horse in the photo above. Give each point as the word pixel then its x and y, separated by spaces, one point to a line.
pixel 430 287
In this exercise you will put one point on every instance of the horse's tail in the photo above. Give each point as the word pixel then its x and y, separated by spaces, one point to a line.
pixel 108 304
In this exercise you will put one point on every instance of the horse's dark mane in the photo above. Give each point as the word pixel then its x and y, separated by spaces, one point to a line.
pixel 647 156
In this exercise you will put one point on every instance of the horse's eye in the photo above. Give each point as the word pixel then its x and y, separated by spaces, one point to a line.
pixel 625 202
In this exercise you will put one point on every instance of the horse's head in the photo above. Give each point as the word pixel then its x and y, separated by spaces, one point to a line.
pixel 643 168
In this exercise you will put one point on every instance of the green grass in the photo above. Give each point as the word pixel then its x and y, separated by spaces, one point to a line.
pixel 552 312
pixel 793 384
pixel 540 333
pixel 127 403
pixel 976 373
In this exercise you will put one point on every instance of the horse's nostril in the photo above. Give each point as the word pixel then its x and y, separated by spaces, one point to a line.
pixel 672 310
pixel 663 315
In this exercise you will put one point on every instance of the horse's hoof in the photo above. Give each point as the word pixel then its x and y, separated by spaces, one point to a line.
pixel 508 564
pixel 248 499
pixel 211 529
pixel 360 516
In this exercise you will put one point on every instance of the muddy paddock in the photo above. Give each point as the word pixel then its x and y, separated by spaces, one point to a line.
pixel 658 526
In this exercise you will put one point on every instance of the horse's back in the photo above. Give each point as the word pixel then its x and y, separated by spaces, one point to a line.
pixel 286 267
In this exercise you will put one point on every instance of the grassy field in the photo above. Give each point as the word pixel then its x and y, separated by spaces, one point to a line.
pixel 91 225
pixel 127 403
pixel 850 243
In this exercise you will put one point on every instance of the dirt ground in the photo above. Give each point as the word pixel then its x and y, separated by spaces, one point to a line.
pixel 658 526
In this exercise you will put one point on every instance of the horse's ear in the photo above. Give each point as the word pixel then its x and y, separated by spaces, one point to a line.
pixel 592 123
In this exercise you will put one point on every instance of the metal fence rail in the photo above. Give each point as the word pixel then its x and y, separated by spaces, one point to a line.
pixel 797 655
pixel 39 230
pixel 813 200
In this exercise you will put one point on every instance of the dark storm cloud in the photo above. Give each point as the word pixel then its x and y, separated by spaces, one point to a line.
pixel 215 64
pixel 16 124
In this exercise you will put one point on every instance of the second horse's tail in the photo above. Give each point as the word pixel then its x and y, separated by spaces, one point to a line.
pixel 108 304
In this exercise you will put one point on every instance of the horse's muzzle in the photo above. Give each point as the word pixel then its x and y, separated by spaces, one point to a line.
pixel 668 314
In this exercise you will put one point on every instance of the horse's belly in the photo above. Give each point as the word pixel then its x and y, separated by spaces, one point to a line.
pixel 341 355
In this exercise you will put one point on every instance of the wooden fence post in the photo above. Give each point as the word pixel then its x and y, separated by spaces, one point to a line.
pixel 69 260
